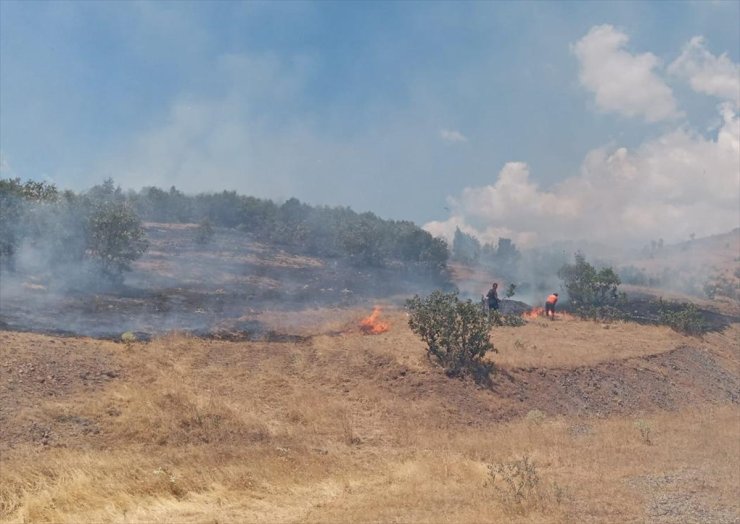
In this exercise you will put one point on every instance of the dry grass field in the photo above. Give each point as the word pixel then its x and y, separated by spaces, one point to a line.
pixel 584 422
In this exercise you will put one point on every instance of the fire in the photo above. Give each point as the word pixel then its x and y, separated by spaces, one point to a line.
pixel 533 313
pixel 371 325
pixel 537 312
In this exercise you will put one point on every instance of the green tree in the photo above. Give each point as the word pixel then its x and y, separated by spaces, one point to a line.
pixel 17 205
pixel 587 286
pixel 115 238
pixel 465 248
pixel 456 332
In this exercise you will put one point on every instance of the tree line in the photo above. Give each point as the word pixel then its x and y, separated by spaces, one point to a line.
pixel 64 230
pixel 335 232
pixel 104 225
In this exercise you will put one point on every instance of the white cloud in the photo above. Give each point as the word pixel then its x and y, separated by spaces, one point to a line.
pixel 669 187
pixel 453 136
pixel 622 82
pixel 709 74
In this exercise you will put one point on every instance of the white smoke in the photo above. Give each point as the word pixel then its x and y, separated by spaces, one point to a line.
pixel 669 187
pixel 622 82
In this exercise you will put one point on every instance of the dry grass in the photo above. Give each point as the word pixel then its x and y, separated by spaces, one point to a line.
pixel 568 342
pixel 205 431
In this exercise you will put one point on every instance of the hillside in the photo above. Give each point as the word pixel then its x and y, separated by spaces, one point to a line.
pixel 247 392
pixel 213 288
pixel 622 422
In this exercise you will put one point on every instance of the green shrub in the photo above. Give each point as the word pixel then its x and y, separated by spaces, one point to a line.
pixel 601 313
pixel 128 338
pixel 456 332
pixel 499 320
pixel 587 286
pixel 115 237
pixel 684 318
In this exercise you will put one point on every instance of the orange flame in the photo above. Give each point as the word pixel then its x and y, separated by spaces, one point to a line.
pixel 537 312
pixel 533 313
pixel 371 325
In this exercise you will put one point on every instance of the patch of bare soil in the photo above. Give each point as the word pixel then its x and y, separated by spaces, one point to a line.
pixel 35 369
pixel 679 496
pixel 670 380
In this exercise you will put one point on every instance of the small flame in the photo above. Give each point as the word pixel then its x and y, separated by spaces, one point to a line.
pixel 371 325
pixel 533 313
pixel 537 312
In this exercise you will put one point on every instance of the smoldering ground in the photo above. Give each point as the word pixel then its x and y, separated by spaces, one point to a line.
pixel 216 288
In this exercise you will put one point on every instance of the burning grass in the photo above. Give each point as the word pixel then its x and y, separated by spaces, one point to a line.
pixel 372 325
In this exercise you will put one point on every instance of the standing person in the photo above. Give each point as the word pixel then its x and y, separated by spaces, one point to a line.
pixel 492 295
pixel 550 305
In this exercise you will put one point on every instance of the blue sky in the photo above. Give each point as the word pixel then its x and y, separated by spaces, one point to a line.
pixel 408 109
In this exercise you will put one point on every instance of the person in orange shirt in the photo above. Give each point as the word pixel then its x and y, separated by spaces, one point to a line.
pixel 550 305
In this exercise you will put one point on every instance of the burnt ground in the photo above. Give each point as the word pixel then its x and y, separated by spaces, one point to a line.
pixel 647 309
pixel 209 290
pixel 215 289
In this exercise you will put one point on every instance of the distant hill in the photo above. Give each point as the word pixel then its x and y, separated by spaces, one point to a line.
pixel 687 266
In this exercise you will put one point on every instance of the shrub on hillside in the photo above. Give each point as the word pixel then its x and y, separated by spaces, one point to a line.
pixel 519 489
pixel 456 332
pixel 115 238
pixel 593 293
pixel 204 232
pixel 602 313
pixel 719 285
pixel 19 202
pixel 684 318
pixel 498 319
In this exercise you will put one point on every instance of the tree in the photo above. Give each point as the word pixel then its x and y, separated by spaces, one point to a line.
pixel 17 200
pixel 465 247
pixel 363 241
pixel 587 286
pixel 204 232
pixel 115 238
pixel 456 332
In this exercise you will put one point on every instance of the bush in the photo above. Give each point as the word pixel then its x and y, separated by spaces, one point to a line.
pixel 204 232
pixel 519 489
pixel 684 318
pixel 456 332
pixel 17 201
pixel 643 427
pixel 115 238
pixel 601 313
pixel 497 319
pixel 587 286
pixel 723 286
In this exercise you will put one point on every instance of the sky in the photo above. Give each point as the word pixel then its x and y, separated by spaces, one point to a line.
pixel 536 121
